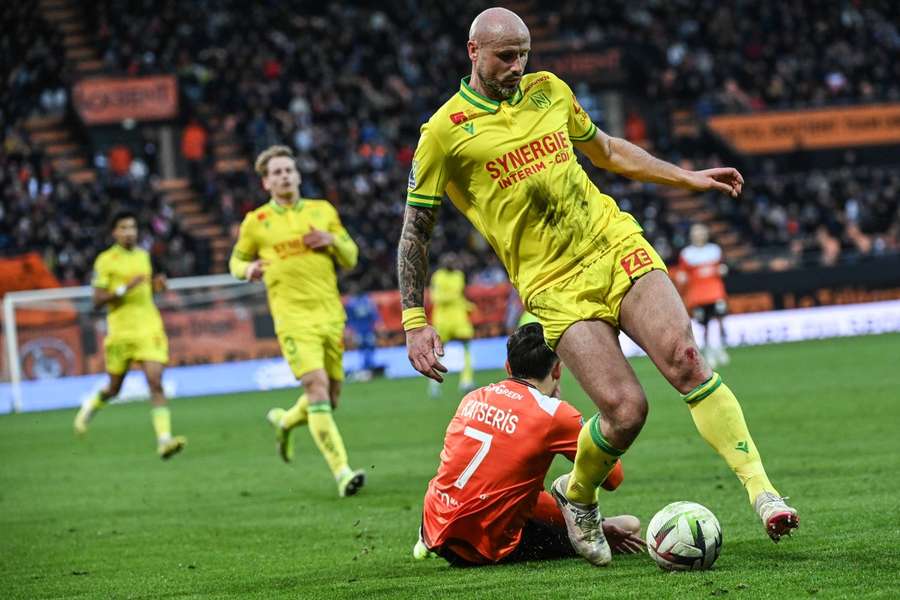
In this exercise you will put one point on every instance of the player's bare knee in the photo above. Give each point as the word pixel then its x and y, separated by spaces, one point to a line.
pixel 687 369
pixel 316 386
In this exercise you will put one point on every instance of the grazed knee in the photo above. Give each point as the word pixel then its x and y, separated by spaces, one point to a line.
pixel 687 368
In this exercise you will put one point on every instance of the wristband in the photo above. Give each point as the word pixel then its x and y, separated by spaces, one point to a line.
pixel 414 318
pixel 120 291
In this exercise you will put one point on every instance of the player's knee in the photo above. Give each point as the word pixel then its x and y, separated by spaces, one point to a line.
pixel 686 369
pixel 316 386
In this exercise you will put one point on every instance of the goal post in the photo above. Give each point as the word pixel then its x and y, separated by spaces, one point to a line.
pixel 56 333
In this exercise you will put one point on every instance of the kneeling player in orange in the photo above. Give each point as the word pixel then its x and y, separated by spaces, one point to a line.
pixel 487 503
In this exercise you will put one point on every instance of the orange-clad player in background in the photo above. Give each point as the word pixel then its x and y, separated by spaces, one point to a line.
pixel 701 271
pixel 487 503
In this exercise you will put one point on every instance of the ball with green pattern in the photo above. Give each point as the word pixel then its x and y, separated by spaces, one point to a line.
pixel 684 536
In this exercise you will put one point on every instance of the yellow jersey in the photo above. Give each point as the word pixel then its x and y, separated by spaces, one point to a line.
pixel 301 283
pixel 134 314
pixel 448 288
pixel 510 168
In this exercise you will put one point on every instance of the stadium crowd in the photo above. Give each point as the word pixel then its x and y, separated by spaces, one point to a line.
pixel 67 223
pixel 351 104
pixel 42 211
pixel 749 55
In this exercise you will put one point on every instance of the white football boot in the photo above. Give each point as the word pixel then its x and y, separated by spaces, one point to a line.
pixel 778 518
pixel 583 524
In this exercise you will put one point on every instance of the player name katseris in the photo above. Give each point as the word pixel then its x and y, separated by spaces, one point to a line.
pixel 483 412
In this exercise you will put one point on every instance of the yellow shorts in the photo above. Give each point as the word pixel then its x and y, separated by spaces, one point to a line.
pixel 596 290
pixel 453 325
pixel 121 351
pixel 314 346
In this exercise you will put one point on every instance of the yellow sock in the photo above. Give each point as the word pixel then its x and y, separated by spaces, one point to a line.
pixel 594 460
pixel 162 422
pixel 327 437
pixel 97 402
pixel 297 414
pixel 467 376
pixel 719 419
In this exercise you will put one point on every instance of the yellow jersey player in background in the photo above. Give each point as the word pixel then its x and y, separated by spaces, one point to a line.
pixel 124 282
pixel 292 244
pixel 450 314
pixel 503 150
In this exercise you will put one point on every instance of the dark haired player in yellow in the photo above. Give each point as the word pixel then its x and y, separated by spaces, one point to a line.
pixel 124 282
pixel 450 314
pixel 292 244
pixel 502 149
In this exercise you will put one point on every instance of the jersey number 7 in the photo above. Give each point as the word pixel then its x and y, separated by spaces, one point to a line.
pixel 485 439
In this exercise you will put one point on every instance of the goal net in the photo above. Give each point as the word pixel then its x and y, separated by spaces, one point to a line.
pixel 53 342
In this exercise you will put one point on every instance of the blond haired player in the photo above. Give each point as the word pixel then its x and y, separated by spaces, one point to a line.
pixel 293 245
pixel 124 282
pixel 450 314
pixel 502 149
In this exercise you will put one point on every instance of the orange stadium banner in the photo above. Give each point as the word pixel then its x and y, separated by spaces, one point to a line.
pixel 787 131
pixel 106 100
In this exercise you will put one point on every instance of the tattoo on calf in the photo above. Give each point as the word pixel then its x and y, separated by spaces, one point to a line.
pixel 412 254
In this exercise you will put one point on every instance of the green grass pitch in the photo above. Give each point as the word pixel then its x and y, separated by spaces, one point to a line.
pixel 104 518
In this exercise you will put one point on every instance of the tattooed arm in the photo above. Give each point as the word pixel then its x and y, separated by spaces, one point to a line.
pixel 412 255
pixel 422 344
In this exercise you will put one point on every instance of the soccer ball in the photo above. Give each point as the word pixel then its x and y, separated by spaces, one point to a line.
pixel 684 536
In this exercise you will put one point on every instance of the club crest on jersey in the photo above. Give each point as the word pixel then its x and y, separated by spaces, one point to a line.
pixel 540 99
pixel 411 182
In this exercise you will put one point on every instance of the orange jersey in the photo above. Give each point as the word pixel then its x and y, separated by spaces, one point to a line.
pixel 497 451
pixel 702 266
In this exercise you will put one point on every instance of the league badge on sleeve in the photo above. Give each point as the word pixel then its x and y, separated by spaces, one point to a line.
pixel 411 182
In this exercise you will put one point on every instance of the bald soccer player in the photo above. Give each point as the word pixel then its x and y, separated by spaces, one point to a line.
pixel 502 148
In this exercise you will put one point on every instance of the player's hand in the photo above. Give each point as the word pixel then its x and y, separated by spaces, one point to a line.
pixel 160 282
pixel 136 281
pixel 317 240
pixel 256 269
pixel 424 348
pixel 622 541
pixel 722 179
